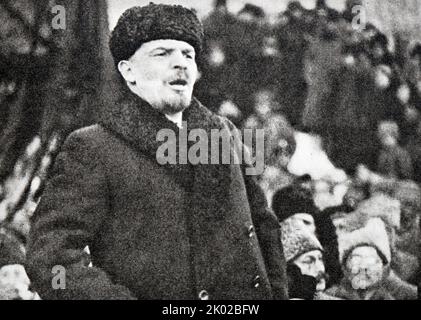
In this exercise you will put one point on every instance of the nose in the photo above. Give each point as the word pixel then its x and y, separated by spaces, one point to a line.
pixel 179 61
pixel 320 266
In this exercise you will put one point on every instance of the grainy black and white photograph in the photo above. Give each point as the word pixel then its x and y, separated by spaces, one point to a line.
pixel 230 150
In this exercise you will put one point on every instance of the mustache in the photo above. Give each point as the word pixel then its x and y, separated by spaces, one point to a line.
pixel 321 276
pixel 180 76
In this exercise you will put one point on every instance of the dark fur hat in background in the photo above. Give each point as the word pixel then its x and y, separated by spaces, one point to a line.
pixel 291 200
pixel 138 25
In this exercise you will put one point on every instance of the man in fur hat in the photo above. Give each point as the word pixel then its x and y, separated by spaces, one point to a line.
pixel 365 255
pixel 155 231
pixel 304 256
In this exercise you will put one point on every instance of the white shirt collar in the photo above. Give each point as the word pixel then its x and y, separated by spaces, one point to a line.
pixel 177 118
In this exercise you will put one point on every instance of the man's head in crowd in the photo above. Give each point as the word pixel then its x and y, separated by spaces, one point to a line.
pixel 295 203
pixel 379 46
pixel 365 255
pixel 364 267
pixel 158 60
pixel 220 5
pixel 295 9
pixel 302 249
pixel 251 13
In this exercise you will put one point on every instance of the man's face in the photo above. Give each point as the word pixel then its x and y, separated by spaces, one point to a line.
pixel 311 264
pixel 163 73
pixel 364 268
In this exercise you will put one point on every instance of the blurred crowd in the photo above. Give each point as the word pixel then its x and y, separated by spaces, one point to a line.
pixel 320 72
pixel 324 71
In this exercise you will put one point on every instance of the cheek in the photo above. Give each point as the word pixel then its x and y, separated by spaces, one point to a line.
pixel 149 72
pixel 308 269
pixel 193 71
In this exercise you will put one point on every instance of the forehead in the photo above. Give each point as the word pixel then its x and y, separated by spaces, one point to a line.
pixel 317 254
pixel 364 251
pixel 166 44
pixel 304 216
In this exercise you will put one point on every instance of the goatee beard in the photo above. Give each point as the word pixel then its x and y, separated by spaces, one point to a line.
pixel 176 106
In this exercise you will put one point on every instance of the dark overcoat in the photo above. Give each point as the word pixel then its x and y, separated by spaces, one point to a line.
pixel 154 231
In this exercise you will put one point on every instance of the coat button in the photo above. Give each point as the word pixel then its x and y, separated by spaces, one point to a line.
pixel 251 231
pixel 203 295
pixel 256 282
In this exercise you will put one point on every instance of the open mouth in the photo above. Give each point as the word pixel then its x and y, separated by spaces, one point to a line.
pixel 178 85
pixel 178 82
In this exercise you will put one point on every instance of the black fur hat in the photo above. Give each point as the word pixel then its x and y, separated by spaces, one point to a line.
pixel 138 25
pixel 291 200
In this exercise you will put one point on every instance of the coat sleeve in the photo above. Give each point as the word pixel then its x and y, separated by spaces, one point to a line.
pixel 72 209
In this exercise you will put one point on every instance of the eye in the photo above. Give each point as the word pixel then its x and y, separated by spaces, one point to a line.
pixel 160 53
pixel 188 55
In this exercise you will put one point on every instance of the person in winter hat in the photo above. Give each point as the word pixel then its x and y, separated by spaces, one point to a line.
pixel 294 202
pixel 388 210
pixel 397 209
pixel 365 256
pixel 157 229
pixel 302 249
pixel 139 25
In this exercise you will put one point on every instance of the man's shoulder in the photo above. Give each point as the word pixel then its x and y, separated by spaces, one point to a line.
pixel 95 133
pixel 90 132
pixel 93 137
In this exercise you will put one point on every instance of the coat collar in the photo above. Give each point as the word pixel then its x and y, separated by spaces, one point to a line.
pixel 137 123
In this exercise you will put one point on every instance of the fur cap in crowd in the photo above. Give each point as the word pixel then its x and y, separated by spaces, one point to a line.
pixel 373 234
pixel 292 200
pixel 297 239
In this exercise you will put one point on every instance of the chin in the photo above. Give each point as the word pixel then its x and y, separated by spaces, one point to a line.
pixel 321 286
pixel 177 104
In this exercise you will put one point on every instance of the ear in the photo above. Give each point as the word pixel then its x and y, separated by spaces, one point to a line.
pixel 126 71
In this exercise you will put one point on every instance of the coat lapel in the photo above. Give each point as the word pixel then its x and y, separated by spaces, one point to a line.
pixel 135 121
